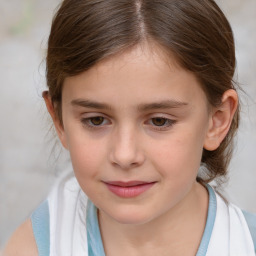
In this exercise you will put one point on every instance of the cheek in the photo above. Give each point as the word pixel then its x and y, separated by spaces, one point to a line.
pixel 179 157
pixel 87 159
pixel 87 155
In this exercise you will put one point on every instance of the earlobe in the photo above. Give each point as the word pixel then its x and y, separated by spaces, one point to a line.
pixel 58 126
pixel 220 120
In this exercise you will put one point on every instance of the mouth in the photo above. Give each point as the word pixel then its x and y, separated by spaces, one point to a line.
pixel 128 189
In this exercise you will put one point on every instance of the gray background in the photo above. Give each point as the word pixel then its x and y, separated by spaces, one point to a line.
pixel 27 167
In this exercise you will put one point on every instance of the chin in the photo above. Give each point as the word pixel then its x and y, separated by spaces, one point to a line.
pixel 130 217
pixel 131 221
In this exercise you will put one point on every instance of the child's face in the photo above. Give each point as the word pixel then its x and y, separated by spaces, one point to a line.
pixel 135 117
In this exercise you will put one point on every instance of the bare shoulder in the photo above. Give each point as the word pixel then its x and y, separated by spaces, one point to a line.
pixel 22 242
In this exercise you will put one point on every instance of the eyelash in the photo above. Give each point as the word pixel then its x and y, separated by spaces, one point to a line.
pixel 88 122
pixel 167 123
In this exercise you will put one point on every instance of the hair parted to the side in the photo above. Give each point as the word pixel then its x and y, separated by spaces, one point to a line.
pixel 196 33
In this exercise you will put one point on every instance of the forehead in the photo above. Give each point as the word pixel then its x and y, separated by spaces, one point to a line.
pixel 140 74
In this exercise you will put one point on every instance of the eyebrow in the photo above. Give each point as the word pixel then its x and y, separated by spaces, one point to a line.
pixel 90 104
pixel 166 104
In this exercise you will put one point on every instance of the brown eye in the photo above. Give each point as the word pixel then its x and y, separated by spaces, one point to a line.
pixel 159 121
pixel 97 120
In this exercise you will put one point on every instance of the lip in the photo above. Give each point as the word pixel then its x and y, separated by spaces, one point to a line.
pixel 128 189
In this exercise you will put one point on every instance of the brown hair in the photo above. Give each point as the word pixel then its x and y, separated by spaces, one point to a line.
pixel 197 33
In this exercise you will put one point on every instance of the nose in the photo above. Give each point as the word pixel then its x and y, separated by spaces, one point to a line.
pixel 126 150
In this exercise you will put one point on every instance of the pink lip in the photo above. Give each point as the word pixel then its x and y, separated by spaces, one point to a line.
pixel 128 189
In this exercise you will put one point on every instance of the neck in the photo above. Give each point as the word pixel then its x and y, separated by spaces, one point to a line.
pixel 183 224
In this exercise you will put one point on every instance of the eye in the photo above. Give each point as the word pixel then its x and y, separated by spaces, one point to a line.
pixel 95 121
pixel 159 121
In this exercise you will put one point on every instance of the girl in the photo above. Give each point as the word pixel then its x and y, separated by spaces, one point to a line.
pixel 141 95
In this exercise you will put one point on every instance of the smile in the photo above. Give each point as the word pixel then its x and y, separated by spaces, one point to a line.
pixel 128 189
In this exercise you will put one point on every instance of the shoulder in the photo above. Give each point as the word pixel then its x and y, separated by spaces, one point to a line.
pixel 22 242
pixel 251 222
pixel 232 229
pixel 248 221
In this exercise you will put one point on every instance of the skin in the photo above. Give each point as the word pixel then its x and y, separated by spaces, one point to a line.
pixel 115 131
pixel 22 242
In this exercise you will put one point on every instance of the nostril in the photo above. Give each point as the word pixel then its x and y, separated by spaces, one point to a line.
pixel 125 165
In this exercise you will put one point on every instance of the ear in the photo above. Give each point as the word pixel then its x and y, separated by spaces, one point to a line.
pixel 220 120
pixel 58 126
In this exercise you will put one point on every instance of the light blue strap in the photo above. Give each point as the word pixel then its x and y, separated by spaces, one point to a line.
pixel 212 208
pixel 251 221
pixel 40 223
pixel 95 245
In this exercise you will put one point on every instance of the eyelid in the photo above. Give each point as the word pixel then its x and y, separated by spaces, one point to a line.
pixel 85 120
pixel 170 122
pixel 87 117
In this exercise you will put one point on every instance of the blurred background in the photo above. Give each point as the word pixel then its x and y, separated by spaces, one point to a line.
pixel 28 166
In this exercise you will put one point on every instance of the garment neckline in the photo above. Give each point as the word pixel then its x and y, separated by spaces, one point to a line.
pixel 95 245
pixel 211 216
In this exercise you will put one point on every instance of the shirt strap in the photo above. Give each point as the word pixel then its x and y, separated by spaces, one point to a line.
pixel 211 216
pixel 95 245
pixel 40 224
pixel 251 222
